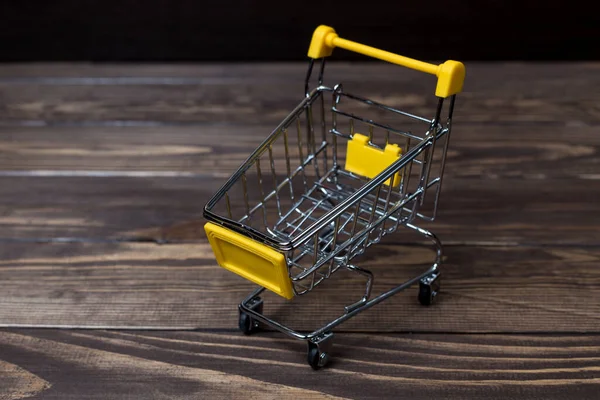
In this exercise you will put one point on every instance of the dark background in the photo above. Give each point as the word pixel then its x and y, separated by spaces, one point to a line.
pixel 162 30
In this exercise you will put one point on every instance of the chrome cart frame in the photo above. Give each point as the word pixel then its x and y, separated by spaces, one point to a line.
pixel 303 194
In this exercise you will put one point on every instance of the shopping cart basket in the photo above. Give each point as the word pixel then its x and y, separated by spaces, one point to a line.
pixel 329 182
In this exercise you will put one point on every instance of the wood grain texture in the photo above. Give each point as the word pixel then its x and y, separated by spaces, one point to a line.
pixel 507 94
pixel 137 171
pixel 487 151
pixel 542 211
pixel 17 383
pixel 485 289
pixel 104 171
pixel 185 365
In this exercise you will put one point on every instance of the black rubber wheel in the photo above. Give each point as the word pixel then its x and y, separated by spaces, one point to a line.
pixel 425 294
pixel 245 323
pixel 313 357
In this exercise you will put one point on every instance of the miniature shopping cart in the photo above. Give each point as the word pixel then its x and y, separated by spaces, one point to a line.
pixel 338 174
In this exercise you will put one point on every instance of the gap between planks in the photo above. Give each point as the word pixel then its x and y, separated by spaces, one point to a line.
pixel 353 332
pixel 164 242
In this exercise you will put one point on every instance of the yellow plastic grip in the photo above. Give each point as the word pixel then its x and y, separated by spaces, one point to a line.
pixel 450 74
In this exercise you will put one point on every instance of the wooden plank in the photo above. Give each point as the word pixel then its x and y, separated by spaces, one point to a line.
pixel 550 211
pixel 82 73
pixel 215 150
pixel 495 94
pixel 485 289
pixel 113 365
pixel 476 150
pixel 98 207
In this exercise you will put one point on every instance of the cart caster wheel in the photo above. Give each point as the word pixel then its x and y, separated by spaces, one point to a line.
pixel 429 290
pixel 425 295
pixel 319 349
pixel 246 324
pixel 316 359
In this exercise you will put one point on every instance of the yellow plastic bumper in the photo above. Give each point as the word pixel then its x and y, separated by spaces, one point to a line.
pixel 250 259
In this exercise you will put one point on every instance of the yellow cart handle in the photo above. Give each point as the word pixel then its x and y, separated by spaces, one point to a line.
pixel 450 74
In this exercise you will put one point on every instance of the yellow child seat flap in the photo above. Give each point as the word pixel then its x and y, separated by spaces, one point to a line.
pixel 366 160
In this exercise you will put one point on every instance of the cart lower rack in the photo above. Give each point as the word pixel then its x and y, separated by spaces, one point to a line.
pixel 338 174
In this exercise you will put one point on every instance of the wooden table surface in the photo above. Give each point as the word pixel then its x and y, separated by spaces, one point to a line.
pixel 104 170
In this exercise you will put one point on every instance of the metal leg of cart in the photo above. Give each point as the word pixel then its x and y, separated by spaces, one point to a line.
pixel 429 285
pixel 320 341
